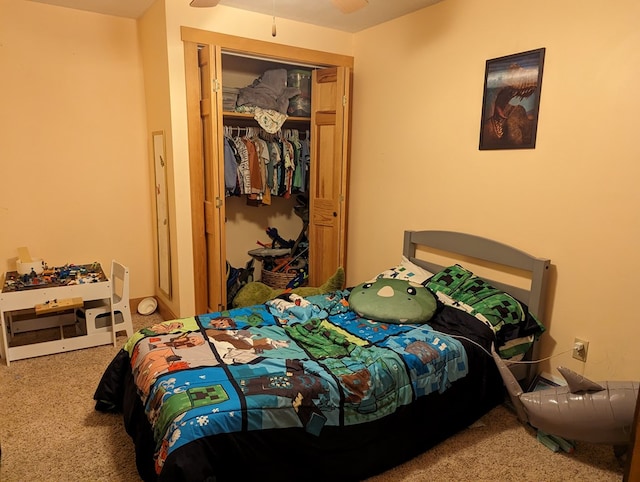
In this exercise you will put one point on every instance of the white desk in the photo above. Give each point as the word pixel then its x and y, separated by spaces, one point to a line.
pixel 28 298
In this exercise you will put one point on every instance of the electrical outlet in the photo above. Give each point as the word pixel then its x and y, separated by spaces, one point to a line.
pixel 580 348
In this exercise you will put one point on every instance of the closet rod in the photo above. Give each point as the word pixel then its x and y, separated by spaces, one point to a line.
pixel 231 130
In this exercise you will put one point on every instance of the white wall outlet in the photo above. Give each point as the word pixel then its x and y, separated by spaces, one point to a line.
pixel 580 348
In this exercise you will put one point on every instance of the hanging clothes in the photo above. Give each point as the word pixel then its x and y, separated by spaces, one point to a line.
pixel 230 166
pixel 244 179
pixel 260 165
pixel 263 160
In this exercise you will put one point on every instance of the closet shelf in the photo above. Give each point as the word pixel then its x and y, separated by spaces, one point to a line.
pixel 248 115
pixel 246 118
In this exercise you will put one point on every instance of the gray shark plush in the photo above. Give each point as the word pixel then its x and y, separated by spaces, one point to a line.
pixel 583 410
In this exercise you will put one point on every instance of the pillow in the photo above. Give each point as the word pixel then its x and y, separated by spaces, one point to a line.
pixel 509 318
pixel 512 349
pixel 406 270
pixel 393 301
pixel 516 348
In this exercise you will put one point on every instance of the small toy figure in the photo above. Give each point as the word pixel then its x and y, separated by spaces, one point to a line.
pixel 277 240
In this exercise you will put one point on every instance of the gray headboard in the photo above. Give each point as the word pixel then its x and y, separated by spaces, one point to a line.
pixel 494 252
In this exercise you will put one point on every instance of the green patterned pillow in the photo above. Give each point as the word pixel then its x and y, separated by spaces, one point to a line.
pixel 509 318
pixel 449 280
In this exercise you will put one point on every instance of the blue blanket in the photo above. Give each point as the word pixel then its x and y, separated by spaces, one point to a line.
pixel 292 362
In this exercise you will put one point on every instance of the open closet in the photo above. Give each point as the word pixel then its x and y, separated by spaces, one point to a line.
pixel 230 222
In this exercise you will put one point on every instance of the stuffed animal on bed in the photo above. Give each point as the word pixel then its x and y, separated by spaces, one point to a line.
pixel 393 301
pixel 256 292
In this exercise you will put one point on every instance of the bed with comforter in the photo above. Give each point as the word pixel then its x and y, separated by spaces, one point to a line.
pixel 309 388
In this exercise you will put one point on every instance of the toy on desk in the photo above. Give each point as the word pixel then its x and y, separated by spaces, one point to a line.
pixel 583 410
pixel 28 266
pixel 68 274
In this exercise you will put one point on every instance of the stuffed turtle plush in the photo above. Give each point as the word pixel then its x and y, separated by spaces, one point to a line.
pixel 256 292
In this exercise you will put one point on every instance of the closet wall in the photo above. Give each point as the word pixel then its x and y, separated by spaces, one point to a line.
pixel 245 222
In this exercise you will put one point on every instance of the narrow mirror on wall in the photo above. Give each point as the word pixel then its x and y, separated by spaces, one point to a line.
pixel 162 214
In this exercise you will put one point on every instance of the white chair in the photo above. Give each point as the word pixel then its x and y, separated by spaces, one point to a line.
pixel 97 313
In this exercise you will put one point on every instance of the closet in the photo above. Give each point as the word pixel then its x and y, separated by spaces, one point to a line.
pixel 226 227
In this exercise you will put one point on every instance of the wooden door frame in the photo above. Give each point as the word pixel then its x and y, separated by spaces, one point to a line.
pixel 192 38
pixel 267 50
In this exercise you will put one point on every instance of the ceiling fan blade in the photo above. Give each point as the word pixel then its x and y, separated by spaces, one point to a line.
pixel 349 6
pixel 204 3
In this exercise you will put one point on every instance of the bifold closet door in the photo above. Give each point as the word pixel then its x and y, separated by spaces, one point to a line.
pixel 329 168
pixel 206 174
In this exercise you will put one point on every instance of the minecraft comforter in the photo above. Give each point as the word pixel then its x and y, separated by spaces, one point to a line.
pixel 297 384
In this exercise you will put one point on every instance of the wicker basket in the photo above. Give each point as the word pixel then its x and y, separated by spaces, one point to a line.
pixel 277 280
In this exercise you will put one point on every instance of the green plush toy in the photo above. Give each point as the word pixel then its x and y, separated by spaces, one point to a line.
pixel 256 292
pixel 393 301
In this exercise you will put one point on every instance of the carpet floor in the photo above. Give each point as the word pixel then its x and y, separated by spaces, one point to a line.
pixel 49 431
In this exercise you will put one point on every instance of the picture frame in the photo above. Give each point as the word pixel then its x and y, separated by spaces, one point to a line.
pixel 511 101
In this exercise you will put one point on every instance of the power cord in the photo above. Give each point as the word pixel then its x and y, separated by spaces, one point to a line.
pixel 509 362
pixel 524 362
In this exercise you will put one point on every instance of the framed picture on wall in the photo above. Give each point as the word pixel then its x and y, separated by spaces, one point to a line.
pixel 511 101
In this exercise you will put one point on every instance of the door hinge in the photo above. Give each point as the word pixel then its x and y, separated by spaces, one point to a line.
pixel 218 202
pixel 216 85
pixel 344 100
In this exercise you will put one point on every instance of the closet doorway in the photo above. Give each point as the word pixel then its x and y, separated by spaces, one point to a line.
pixel 329 130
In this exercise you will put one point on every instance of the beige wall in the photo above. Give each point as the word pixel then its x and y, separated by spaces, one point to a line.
pixel 417 101
pixel 573 199
pixel 73 146
pixel 152 35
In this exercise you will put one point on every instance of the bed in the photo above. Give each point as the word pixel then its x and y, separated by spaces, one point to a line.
pixel 307 388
